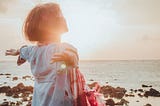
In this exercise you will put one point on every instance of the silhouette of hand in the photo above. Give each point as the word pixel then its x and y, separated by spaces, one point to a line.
pixel 12 52
pixel 60 57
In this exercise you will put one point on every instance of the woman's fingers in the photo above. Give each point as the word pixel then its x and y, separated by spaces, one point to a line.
pixel 59 57
pixel 8 53
pixel 56 59
pixel 12 52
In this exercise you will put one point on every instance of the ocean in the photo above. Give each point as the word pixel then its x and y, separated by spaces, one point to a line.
pixel 126 73
pixel 130 74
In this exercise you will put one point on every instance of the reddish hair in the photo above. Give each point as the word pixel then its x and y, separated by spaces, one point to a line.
pixel 43 21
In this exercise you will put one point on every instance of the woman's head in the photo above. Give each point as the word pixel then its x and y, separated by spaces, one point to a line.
pixel 44 22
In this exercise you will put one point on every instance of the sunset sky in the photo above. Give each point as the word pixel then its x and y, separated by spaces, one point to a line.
pixel 100 29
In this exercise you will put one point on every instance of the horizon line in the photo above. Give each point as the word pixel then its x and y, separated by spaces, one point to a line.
pixel 101 60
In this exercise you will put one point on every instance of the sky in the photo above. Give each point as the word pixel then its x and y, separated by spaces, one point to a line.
pixel 99 29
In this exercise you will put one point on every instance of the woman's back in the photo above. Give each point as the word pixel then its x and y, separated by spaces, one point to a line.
pixel 51 88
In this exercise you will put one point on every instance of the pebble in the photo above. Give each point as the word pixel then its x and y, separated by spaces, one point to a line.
pixel 14 78
pixel 148 104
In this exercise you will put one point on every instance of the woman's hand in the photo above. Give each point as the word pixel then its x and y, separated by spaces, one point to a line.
pixel 16 52
pixel 12 52
pixel 61 57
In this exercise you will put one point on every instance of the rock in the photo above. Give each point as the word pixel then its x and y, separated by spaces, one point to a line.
pixel 4 104
pixel 140 90
pixel 7 74
pixel 20 85
pixel 15 96
pixel 110 102
pixel 17 90
pixel 140 95
pixel 4 89
pixel 5 99
pixel 135 91
pixel 29 88
pixel 146 86
pixel 122 102
pixel 9 93
pixel 30 98
pixel 148 104
pixel 24 99
pixel 28 92
pixel 5 83
pixel 29 103
pixel 113 92
pixel 152 92
pixel 129 95
pixel 14 78
pixel 24 95
pixel 12 104
pixel 91 80
pixel 19 103
pixel 131 90
pixel 25 77
pixel 117 95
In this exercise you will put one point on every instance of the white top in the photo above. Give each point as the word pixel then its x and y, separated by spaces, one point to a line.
pixel 51 88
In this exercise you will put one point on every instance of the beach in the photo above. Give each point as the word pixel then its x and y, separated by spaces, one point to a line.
pixel 135 77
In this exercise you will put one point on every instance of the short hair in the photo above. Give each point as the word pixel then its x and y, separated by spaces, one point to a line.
pixel 44 20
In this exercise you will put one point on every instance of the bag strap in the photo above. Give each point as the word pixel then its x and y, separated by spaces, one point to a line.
pixel 77 84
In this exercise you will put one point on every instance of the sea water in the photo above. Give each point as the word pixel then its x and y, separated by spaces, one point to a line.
pixel 130 74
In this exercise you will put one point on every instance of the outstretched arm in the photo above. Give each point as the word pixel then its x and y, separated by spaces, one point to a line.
pixel 15 52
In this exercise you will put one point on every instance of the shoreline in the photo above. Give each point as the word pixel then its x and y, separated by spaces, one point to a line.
pixel 100 60
pixel 114 96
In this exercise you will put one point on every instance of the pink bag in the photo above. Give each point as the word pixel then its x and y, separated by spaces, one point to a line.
pixel 82 97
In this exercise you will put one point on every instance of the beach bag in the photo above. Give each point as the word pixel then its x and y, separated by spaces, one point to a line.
pixel 82 95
